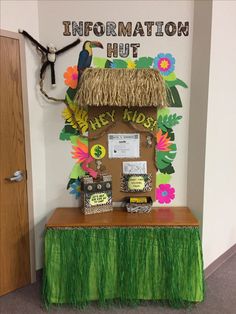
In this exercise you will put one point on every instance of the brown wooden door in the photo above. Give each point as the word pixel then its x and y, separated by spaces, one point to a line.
pixel 14 221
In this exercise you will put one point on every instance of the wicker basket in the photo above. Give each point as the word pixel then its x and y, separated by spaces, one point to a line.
pixel 139 207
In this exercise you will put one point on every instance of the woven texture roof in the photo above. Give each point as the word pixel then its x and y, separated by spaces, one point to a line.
pixel 121 87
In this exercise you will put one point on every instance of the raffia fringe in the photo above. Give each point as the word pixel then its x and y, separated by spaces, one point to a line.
pixel 123 265
pixel 121 87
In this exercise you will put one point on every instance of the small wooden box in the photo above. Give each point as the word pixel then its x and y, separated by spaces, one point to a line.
pixel 96 194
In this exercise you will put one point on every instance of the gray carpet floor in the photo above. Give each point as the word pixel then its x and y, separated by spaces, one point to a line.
pixel 220 299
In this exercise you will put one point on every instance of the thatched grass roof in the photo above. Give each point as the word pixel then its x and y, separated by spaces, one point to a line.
pixel 121 87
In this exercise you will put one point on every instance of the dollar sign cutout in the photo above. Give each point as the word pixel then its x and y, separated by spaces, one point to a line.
pixel 98 151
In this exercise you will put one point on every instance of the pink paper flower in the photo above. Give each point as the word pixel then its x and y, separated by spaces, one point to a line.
pixel 165 193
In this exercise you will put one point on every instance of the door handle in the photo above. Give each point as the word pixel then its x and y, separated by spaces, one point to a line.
pixel 17 176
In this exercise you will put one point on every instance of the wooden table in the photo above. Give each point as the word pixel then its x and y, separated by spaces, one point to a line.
pixel 119 217
pixel 119 255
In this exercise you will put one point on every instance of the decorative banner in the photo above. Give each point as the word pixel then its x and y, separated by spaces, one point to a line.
pixel 129 115
pixel 98 151
pixel 123 29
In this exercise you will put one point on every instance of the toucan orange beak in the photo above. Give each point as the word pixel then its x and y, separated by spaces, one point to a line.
pixel 96 44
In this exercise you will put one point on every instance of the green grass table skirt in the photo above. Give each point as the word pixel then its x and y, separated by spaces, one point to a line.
pixel 123 264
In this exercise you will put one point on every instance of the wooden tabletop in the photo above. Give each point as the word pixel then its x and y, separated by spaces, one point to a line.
pixel 119 217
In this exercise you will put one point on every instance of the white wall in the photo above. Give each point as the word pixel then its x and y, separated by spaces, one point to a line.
pixel 219 215
pixel 198 106
pixel 58 158
pixel 51 160
pixel 52 31
pixel 51 157
pixel 24 14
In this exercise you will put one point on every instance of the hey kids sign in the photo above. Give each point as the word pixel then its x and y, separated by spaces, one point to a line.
pixel 128 115
pixel 122 29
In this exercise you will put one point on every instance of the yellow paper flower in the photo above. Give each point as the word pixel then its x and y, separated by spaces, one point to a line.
pixel 131 64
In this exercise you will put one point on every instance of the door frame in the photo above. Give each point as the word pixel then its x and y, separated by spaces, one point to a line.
pixel 29 181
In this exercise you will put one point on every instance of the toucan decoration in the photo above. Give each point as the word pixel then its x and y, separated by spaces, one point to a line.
pixel 49 54
pixel 85 56
pixel 84 61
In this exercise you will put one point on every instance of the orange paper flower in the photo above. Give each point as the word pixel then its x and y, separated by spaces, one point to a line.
pixel 80 152
pixel 71 76
pixel 163 142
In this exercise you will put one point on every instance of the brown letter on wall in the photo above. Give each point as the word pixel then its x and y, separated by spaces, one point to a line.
pixel 124 30
pixel 77 29
pixel 170 28
pixel 112 49
pixel 99 29
pixel 87 28
pixel 138 29
pixel 124 52
pixel 111 26
pixel 159 31
pixel 183 28
pixel 149 27
pixel 135 49
pixel 67 28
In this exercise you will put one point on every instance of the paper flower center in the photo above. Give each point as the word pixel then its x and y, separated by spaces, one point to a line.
pixel 74 76
pixel 165 193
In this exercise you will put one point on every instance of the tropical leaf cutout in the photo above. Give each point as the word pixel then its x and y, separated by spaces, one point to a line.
pixel 77 172
pixel 144 62
pixel 171 134
pixel 162 178
pixel 173 97
pixel 170 77
pixel 67 132
pixel 165 158
pixel 80 115
pixel 163 112
pixel 168 121
pixel 171 83
pixel 168 170
pixel 108 64
pixel 119 64
pixel 99 62
pixel 74 140
pixel 71 181
pixel 70 93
